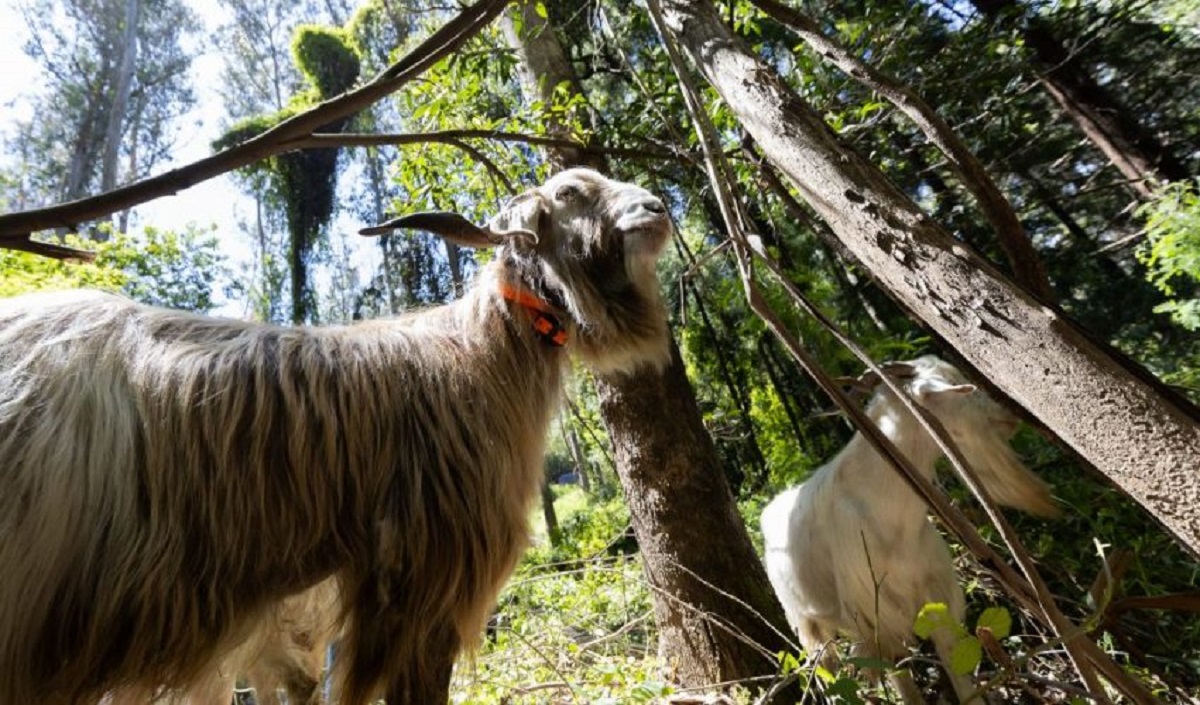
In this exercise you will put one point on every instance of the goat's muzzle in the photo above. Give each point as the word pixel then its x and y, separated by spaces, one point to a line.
pixel 645 223
pixel 644 212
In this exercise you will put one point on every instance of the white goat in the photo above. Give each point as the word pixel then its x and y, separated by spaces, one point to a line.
pixel 166 479
pixel 851 550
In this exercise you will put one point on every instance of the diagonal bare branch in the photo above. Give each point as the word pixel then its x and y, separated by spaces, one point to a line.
pixel 16 228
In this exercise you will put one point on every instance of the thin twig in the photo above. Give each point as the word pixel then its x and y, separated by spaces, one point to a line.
pixel 495 171
pixel 620 632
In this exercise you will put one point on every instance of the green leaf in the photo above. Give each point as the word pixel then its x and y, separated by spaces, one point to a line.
pixel 844 690
pixel 997 620
pixel 788 663
pixel 966 655
pixel 540 9
pixel 932 617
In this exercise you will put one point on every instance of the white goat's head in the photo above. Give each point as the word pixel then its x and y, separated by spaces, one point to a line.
pixel 978 425
pixel 588 246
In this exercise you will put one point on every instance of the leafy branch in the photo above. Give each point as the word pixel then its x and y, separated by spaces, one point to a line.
pixel 16 229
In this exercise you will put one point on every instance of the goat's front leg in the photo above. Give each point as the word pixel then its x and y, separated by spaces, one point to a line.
pixel 393 654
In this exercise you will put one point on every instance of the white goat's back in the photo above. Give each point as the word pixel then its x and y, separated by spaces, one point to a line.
pixel 852 551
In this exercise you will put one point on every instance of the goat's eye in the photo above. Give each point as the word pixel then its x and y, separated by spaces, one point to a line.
pixel 567 193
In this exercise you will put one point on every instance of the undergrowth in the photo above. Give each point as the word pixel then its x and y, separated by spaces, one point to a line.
pixel 576 622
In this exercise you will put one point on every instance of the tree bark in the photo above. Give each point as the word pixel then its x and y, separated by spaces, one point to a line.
pixel 1139 155
pixel 122 88
pixel 552 531
pixel 718 617
pixel 1146 440
pixel 1010 234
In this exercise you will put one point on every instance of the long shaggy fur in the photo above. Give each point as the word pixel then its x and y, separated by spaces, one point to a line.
pixel 287 652
pixel 166 479
pixel 851 550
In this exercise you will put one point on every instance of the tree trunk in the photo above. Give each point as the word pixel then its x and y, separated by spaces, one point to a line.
pixel 83 153
pixel 1134 150
pixel 544 67
pixel 581 464
pixel 1141 436
pixel 122 88
pixel 551 517
pixel 718 617
pixel 713 604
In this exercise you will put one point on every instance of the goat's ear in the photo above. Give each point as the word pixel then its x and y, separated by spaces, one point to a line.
pixel 521 219
pixel 451 227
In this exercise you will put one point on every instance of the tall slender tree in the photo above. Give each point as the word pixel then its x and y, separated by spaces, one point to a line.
pixel 115 77
pixel 695 548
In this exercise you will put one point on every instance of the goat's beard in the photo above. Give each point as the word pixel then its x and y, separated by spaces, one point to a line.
pixel 630 329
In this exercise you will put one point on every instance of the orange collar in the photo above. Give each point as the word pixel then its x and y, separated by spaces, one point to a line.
pixel 545 320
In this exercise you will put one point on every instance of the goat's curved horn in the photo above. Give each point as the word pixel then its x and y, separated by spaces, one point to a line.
pixel 446 225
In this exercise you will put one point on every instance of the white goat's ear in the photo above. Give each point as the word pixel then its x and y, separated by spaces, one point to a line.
pixel 521 218
pixel 451 227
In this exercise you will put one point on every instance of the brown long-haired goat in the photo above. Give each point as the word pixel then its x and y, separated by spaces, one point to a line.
pixel 167 478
